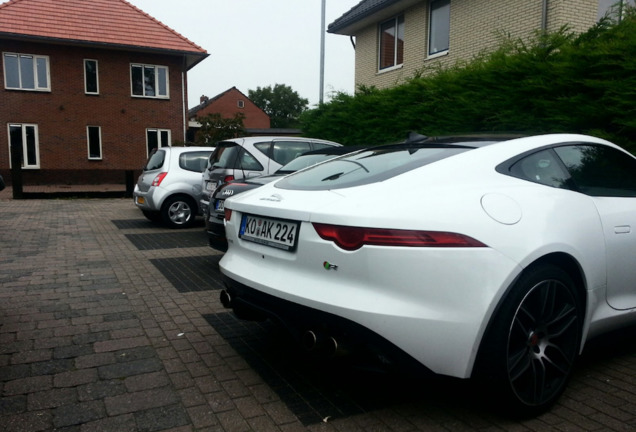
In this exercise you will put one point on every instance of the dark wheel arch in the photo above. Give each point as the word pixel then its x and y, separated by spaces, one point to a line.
pixel 534 337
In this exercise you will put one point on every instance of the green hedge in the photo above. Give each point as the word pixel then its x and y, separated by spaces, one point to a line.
pixel 559 82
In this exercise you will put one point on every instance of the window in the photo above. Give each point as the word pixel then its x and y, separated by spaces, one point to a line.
pixel 149 81
pixel 391 43
pixel 156 138
pixel 600 170
pixel 26 72
pixel 614 8
pixel 283 151
pixel 439 27
pixel 91 79
pixel 240 104
pixel 194 161
pixel 94 138
pixel 25 136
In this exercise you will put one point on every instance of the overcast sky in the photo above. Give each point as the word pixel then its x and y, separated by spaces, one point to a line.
pixel 260 43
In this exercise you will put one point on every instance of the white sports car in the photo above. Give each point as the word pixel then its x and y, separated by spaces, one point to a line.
pixel 475 257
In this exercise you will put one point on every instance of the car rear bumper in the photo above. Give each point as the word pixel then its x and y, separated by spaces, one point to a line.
pixel 317 331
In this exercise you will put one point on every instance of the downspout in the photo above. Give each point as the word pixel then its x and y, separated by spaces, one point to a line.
pixel 184 109
pixel 544 16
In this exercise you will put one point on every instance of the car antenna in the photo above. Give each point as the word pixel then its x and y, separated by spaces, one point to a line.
pixel 414 137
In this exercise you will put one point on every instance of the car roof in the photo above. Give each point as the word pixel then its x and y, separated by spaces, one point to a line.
pixel 460 140
pixel 253 139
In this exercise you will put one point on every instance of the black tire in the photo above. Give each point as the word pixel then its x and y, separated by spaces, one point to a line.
pixel 528 354
pixel 152 215
pixel 179 212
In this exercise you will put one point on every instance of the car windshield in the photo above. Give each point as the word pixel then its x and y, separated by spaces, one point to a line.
pixel 368 166
pixel 155 161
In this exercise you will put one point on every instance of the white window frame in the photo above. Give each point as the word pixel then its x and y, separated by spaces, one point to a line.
pixel 240 103
pixel 433 28
pixel 158 72
pixel 396 26
pixel 37 73
pixel 99 143
pixel 96 77
pixel 160 142
pixel 23 127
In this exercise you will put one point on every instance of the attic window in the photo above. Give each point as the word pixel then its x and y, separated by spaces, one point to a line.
pixel 240 104
pixel 26 72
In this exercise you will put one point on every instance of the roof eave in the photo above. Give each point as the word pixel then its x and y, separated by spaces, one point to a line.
pixel 192 57
pixel 350 25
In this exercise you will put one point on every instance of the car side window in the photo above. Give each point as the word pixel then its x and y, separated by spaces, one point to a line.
pixel 194 161
pixel 264 147
pixel 600 170
pixel 245 161
pixel 319 146
pixel 286 151
pixel 541 167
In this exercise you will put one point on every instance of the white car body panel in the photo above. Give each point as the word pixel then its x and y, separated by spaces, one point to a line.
pixel 422 302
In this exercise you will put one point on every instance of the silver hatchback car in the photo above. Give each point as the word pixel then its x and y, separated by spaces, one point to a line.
pixel 242 158
pixel 169 188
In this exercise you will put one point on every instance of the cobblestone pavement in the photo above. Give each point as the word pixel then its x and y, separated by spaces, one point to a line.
pixel 111 323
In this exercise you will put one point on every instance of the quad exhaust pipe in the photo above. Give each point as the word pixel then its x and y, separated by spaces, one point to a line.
pixel 321 343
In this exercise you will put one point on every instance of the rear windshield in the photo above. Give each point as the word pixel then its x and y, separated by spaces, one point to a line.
pixel 303 161
pixel 155 161
pixel 367 166
pixel 233 156
pixel 194 161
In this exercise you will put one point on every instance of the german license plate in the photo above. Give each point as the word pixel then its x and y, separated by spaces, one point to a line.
pixel 278 233
pixel 219 205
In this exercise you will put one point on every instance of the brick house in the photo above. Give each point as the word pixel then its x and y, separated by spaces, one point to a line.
pixel 443 32
pixel 228 104
pixel 89 88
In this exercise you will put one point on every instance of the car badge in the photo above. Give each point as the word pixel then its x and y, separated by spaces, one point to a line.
pixel 227 192
pixel 328 266
pixel 274 197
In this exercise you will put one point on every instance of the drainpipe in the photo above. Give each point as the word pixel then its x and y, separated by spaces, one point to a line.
pixel 544 16
pixel 184 108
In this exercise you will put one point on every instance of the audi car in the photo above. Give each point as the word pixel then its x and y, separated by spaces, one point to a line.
pixel 492 259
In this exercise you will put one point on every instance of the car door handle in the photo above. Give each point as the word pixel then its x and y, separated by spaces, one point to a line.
pixel 622 229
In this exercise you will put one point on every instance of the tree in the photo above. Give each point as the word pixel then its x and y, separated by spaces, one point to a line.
pixel 215 128
pixel 282 104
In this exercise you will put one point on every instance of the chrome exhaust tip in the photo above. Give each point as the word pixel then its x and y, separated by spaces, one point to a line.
pixel 226 299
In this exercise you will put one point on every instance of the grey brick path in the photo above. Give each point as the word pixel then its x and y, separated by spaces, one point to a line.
pixel 94 337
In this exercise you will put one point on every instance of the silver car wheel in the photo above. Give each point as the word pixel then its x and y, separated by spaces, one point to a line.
pixel 178 212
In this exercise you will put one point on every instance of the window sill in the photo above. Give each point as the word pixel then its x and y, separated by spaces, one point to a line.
pixel 390 69
pixel 437 55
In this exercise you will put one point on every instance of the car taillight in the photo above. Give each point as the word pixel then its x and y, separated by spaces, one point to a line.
pixel 227 213
pixel 352 238
pixel 157 181
pixel 228 178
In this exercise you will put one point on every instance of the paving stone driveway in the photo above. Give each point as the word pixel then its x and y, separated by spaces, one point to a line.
pixel 111 323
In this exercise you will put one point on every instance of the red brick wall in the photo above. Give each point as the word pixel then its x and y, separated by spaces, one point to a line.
pixel 63 113
pixel 227 105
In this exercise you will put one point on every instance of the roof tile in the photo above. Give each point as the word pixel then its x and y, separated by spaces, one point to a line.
pixel 115 22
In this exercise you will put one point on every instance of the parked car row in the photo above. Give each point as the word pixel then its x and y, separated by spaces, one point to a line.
pixel 176 182
pixel 494 258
